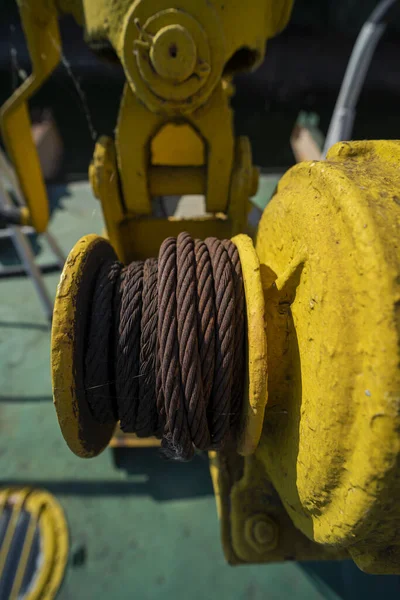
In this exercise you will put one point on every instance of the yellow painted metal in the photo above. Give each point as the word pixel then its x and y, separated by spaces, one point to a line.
pixel 54 533
pixel 189 46
pixel 244 184
pixel 173 53
pixel 256 387
pixel 130 440
pixel 17 505
pixel 104 178
pixel 39 20
pixel 259 20
pixel 213 123
pixel 83 434
pixel 177 144
pixel 178 57
pixel 177 181
pixel 218 29
pixel 175 83
pixel 142 237
pixel 330 265
pixel 225 175
pixel 328 246
pixel 134 238
pixel 46 514
pixel 247 501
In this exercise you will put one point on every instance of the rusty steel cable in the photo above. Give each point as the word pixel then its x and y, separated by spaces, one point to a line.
pixel 166 344
pixel 98 357
pixel 220 405
pixel 147 418
pixel 176 438
pixel 205 316
pixel 192 385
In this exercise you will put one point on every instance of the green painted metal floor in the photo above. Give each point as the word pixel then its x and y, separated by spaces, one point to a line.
pixel 148 529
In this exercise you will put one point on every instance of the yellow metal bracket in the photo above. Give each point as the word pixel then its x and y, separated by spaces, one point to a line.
pixel 174 60
pixel 141 178
pixel 39 20
pixel 213 166
pixel 255 526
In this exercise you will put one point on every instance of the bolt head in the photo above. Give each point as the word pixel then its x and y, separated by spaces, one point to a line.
pixel 261 533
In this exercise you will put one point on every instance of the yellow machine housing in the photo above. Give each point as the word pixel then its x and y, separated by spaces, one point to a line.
pixel 315 473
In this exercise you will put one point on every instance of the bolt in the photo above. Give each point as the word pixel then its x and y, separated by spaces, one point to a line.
pixel 261 532
pixel 173 53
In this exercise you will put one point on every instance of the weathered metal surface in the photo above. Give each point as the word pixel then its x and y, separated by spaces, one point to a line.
pixel 330 446
pixel 178 55
pixel 103 176
pixel 212 122
pixel 133 234
pixel 246 499
pixel 161 79
pixel 227 26
pixel 256 393
pixel 83 434
pixel 330 265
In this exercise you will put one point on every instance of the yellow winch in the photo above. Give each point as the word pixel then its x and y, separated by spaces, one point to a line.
pixel 280 357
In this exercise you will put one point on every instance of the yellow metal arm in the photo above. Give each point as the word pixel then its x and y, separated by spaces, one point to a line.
pixel 39 20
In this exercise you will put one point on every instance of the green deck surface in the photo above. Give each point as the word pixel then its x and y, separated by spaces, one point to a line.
pixel 148 531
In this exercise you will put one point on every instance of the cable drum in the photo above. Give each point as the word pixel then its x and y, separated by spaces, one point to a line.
pixel 165 346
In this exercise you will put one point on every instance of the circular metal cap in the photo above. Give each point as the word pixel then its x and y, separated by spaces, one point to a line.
pixel 173 59
pixel 85 436
pixel 173 53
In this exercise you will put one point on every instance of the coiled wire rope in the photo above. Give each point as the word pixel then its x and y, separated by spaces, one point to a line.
pixel 165 345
